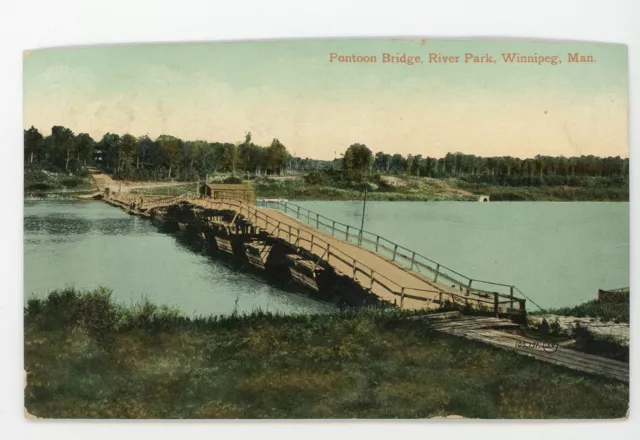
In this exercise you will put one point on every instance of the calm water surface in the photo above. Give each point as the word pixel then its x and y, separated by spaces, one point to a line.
pixel 89 244
pixel 557 253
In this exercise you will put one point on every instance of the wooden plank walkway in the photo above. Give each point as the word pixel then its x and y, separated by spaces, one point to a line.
pixel 486 330
pixel 387 280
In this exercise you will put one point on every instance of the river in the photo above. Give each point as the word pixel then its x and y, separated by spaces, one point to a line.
pixel 91 244
pixel 556 253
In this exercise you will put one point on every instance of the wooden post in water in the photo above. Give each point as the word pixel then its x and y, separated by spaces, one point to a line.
pixel 435 279
pixel 401 297
pixel 496 303
pixel 364 207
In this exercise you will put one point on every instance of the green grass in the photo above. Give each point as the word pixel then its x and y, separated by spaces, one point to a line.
pixel 40 181
pixel 298 189
pixel 410 189
pixel 87 357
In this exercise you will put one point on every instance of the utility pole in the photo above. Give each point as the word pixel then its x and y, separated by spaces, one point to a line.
pixel 364 208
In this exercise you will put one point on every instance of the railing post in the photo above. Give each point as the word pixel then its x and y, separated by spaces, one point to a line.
pixel 377 242
pixel 469 287
pixel 298 214
pixel 347 239
pixel 333 228
pixel 435 278
pixel 395 251
pixel 285 207
pixel 371 283
pixel 317 221
pixel 440 298
pixel 413 259
pixel 511 297
pixel 401 297
pixel 354 269
pixel 495 303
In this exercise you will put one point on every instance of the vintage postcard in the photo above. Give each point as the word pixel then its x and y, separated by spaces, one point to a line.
pixel 327 229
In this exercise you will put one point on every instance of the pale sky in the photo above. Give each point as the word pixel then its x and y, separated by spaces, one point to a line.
pixel 289 90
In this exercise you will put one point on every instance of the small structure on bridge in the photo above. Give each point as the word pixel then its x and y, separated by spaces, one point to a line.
pixel 221 191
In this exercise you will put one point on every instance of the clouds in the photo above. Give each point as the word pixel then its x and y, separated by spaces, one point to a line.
pixel 316 110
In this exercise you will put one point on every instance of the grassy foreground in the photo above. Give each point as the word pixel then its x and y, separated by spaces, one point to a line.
pixel 87 357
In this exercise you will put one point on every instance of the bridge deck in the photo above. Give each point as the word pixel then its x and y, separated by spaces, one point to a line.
pixel 387 279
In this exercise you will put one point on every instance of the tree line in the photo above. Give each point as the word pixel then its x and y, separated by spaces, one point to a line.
pixel 143 158
pixel 359 161
pixel 169 157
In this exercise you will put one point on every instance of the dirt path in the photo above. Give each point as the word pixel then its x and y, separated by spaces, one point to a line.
pixel 104 181
pixel 445 188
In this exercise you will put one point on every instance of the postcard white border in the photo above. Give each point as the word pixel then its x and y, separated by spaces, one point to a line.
pixel 27 24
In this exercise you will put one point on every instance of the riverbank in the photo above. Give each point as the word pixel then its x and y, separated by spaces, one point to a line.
pixel 39 182
pixel 402 188
pixel 596 326
pixel 89 357
pixel 295 188
pixel 553 193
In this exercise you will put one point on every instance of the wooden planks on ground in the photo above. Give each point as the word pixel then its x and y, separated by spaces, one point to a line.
pixel 484 330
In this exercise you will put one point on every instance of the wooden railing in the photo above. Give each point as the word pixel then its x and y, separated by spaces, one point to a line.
pixel 398 254
pixel 368 277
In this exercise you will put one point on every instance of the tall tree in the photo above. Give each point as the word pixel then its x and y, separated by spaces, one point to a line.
pixel 33 144
pixel 277 156
pixel 170 147
pixel 84 147
pixel 357 159
pixel 63 144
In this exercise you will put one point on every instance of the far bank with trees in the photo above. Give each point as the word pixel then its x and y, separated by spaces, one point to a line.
pixel 275 172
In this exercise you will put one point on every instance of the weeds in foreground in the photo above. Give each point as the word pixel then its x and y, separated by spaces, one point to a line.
pixel 88 357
